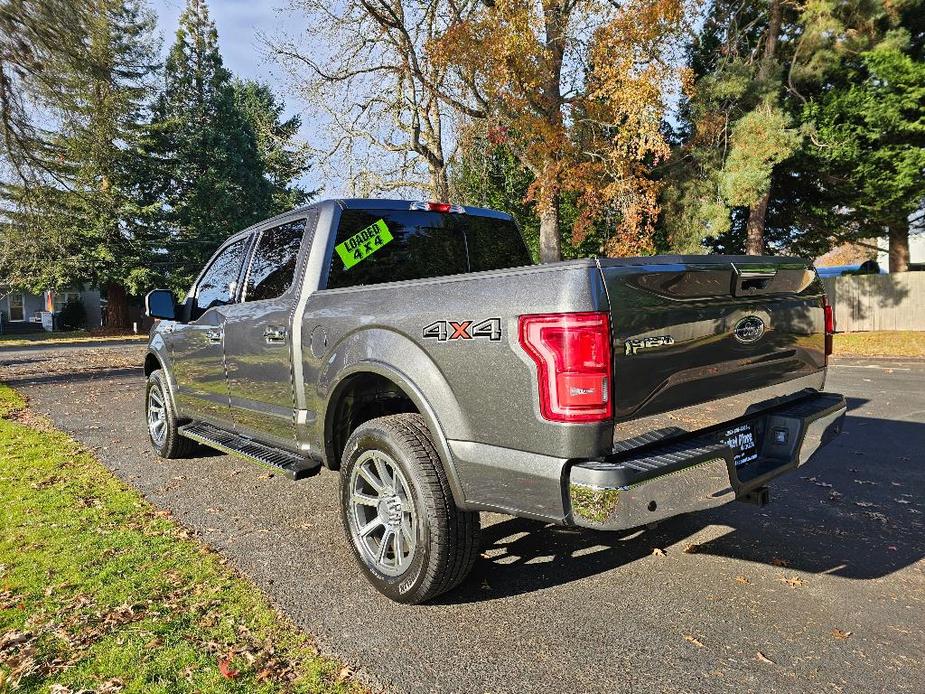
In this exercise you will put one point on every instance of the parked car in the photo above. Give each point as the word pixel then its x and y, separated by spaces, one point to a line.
pixel 413 347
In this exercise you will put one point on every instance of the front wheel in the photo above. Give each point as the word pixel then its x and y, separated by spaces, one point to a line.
pixel 407 534
pixel 161 418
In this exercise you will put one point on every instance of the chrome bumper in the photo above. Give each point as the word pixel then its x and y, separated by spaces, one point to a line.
pixel 601 497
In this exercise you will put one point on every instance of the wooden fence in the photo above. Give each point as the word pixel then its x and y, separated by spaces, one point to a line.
pixel 878 302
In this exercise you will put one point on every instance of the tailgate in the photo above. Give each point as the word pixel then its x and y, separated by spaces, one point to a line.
pixel 701 340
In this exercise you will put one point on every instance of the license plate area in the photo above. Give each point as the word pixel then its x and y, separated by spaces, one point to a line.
pixel 744 440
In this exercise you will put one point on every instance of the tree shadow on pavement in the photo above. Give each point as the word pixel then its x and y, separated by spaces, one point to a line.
pixel 855 510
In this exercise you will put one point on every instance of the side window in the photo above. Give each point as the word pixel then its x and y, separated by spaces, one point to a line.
pixel 216 288
pixel 274 262
pixel 374 246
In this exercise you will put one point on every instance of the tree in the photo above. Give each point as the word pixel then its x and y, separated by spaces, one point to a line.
pixel 750 165
pixel 362 68
pixel 576 91
pixel 488 174
pixel 69 211
pixel 221 157
pixel 35 36
pixel 283 159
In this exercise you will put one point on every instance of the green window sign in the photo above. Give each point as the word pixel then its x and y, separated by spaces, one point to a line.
pixel 363 244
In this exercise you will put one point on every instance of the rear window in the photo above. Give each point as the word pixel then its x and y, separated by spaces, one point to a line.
pixel 375 246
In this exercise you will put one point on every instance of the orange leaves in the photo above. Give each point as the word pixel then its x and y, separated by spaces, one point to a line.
pixel 578 92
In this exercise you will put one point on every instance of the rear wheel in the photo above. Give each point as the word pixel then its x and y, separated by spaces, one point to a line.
pixel 162 420
pixel 409 537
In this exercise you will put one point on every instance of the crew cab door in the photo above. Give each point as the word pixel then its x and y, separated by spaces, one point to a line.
pixel 196 346
pixel 258 343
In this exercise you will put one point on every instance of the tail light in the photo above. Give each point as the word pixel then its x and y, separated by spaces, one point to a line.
pixel 573 361
pixel 829 312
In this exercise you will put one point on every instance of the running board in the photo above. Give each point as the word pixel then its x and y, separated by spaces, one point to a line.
pixel 292 465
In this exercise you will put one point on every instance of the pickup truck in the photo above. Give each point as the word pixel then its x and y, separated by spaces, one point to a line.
pixel 413 347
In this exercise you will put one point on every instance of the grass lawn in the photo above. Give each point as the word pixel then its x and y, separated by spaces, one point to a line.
pixel 46 338
pixel 880 344
pixel 100 591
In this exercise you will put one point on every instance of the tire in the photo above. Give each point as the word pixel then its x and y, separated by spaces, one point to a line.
pixel 166 439
pixel 415 502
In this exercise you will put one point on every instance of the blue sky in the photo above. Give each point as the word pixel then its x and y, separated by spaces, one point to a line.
pixel 238 22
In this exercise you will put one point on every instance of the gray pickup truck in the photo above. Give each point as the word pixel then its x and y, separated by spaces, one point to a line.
pixel 413 347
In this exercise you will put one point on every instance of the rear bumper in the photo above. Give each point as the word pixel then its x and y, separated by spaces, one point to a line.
pixel 698 473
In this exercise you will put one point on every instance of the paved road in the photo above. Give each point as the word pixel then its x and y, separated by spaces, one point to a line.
pixel 550 609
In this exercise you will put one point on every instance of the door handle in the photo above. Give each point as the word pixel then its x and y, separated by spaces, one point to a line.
pixel 214 335
pixel 274 335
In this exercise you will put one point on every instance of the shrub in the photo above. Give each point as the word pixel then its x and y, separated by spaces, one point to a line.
pixel 73 315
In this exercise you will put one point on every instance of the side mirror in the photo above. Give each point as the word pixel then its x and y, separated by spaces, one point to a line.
pixel 161 303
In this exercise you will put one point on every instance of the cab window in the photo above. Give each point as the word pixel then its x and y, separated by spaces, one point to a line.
pixel 273 266
pixel 218 283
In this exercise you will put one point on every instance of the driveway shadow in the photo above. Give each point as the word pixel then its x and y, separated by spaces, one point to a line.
pixel 12 378
pixel 854 511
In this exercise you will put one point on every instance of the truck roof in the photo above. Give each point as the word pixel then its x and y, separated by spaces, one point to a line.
pixel 369 204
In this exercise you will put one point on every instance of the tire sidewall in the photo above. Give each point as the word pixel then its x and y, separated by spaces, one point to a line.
pixel 406 586
pixel 156 380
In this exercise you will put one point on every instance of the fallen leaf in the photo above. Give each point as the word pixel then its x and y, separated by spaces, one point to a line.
pixel 692 548
pixel 763 658
pixel 59 689
pixel 658 552
pixel 792 581
pixel 224 667
pixel 777 561
pixel 343 674
pixel 743 580
pixel 696 642
pixel 839 634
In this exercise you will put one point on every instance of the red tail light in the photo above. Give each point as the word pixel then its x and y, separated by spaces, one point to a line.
pixel 573 360
pixel 829 312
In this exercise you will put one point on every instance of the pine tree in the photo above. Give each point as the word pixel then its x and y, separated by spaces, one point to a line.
pixel 282 159
pixel 223 157
pixel 73 218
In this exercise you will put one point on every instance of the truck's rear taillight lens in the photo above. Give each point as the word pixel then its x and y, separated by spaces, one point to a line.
pixel 829 312
pixel 573 360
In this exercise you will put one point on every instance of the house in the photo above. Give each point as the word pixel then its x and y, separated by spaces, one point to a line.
pixel 22 311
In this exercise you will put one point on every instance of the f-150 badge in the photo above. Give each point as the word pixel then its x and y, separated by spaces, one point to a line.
pixel 631 347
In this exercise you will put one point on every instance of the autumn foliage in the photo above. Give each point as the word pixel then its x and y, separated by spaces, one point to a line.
pixel 577 91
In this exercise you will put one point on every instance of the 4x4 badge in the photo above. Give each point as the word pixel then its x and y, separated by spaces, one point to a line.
pixel 445 330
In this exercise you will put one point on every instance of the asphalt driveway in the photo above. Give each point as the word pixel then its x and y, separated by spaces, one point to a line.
pixel 824 589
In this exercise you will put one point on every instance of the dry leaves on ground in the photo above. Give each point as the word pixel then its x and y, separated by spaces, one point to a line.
pixel 695 641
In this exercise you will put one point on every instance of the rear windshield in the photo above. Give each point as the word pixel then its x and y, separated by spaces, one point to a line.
pixel 375 246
